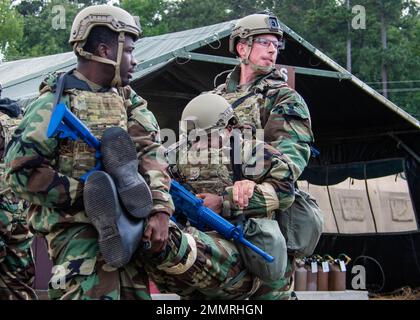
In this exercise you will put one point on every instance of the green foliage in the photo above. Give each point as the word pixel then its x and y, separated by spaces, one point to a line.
pixel 189 14
pixel 401 56
pixel 11 28
pixel 324 23
pixel 41 34
pixel 26 31
pixel 151 13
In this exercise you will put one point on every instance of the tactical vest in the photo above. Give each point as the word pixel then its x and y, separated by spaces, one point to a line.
pixel 248 102
pixel 98 111
pixel 206 174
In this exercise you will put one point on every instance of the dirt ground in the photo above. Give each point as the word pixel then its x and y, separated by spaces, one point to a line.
pixel 405 293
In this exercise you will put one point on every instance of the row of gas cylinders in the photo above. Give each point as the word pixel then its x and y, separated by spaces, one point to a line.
pixel 318 273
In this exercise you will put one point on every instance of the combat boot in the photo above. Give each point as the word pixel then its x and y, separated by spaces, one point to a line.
pixel 119 233
pixel 120 161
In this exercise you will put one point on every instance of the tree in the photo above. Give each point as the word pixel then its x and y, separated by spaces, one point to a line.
pixel 324 24
pixel 47 26
pixel 151 13
pixel 188 14
pixel 388 51
pixel 11 29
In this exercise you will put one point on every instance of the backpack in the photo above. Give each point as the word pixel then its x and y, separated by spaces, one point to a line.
pixel 301 224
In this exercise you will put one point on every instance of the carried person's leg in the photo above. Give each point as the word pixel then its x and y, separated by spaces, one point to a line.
pixel 199 265
pixel 119 233
pixel 118 200
pixel 120 162
pixel 277 290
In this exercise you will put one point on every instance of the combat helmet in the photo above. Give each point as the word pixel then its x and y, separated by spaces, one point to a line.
pixel 250 26
pixel 208 111
pixel 116 19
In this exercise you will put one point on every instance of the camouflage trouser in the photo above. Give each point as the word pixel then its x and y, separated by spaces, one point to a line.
pixel 17 269
pixel 196 265
pixel 201 266
pixel 74 251
pixel 277 290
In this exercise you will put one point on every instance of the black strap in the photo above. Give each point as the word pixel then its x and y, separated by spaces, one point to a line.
pixel 59 88
pixel 68 81
pixel 235 154
pixel 251 93
pixel 72 82
pixel 242 99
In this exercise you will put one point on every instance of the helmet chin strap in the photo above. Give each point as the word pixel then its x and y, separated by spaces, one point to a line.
pixel 116 81
pixel 259 70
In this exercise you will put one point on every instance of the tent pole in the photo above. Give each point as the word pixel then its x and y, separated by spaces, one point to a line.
pixel 404 146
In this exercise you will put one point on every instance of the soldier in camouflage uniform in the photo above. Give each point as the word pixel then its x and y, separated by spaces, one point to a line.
pixel 47 171
pixel 263 100
pixel 17 269
pixel 204 265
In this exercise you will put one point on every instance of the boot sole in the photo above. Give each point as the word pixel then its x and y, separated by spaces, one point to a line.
pixel 120 161
pixel 101 205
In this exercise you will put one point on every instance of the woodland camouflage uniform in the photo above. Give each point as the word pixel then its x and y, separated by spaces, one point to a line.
pixel 46 172
pixel 17 269
pixel 282 113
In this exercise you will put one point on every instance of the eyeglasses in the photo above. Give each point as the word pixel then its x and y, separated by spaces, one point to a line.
pixel 266 43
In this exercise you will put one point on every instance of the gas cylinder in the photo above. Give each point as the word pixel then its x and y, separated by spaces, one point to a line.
pixel 337 279
pixel 311 274
pixel 300 276
pixel 323 272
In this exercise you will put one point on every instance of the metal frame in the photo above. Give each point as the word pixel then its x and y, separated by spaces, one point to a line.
pixel 179 53
pixel 232 61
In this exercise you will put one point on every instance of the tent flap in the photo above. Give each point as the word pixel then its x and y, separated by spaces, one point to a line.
pixel 333 174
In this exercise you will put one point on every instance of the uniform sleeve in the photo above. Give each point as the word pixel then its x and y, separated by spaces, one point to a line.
pixel 145 132
pixel 288 128
pixel 2 146
pixel 270 169
pixel 30 159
